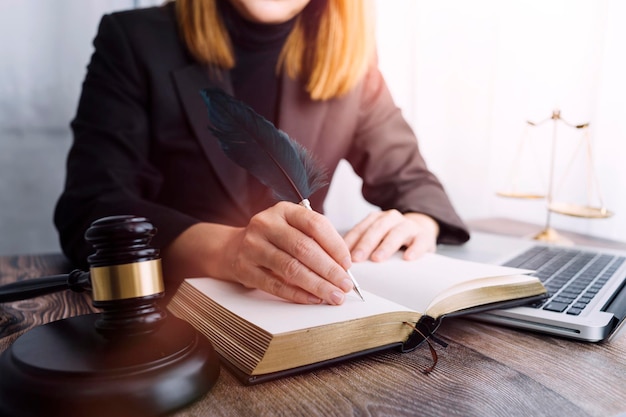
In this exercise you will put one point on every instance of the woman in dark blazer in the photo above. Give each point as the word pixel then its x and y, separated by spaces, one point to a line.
pixel 142 146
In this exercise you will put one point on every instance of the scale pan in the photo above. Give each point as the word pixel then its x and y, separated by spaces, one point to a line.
pixel 576 210
pixel 526 196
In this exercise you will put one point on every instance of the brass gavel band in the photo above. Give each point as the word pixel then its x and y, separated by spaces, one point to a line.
pixel 137 279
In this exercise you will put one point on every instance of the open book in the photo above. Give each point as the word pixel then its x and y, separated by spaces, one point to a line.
pixel 262 337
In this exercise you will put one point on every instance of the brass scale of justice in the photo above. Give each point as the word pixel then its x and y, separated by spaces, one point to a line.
pixel 549 234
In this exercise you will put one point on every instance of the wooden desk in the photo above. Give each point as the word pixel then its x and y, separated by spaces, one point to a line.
pixel 485 371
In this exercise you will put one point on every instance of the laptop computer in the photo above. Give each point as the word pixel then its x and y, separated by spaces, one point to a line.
pixel 586 286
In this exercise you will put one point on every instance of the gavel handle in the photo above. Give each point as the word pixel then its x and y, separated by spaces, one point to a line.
pixel 76 280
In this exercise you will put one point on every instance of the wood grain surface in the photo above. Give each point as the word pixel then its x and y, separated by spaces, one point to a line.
pixel 486 370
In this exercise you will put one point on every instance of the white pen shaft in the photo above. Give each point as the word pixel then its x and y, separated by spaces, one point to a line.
pixel 306 203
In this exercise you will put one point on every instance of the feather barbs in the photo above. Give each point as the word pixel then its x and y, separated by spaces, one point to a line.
pixel 268 153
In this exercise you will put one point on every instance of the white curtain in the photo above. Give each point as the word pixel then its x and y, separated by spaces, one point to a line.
pixel 469 75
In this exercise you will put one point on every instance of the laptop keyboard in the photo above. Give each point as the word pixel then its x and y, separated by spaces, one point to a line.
pixel 572 277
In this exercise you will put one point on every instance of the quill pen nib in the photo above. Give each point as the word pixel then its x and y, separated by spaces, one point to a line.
pixel 357 289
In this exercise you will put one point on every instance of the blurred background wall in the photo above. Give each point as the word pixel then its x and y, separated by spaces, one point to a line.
pixel 467 76
pixel 44 49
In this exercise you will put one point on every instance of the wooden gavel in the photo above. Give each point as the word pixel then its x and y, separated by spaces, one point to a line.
pixel 130 359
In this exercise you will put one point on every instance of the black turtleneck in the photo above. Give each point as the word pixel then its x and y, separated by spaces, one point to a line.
pixel 257 47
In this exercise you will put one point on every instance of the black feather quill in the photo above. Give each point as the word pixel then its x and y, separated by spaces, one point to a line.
pixel 268 153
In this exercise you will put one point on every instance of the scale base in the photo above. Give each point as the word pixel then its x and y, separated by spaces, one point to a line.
pixel 550 235
pixel 66 368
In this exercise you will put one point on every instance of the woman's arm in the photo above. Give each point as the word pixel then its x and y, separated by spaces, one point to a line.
pixel 286 250
pixel 108 167
pixel 416 212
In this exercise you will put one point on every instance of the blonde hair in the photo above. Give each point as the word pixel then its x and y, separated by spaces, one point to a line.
pixel 330 47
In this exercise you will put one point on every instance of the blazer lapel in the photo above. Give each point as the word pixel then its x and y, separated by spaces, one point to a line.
pixel 189 81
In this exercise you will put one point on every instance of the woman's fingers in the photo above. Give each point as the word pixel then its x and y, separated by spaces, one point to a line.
pixel 296 254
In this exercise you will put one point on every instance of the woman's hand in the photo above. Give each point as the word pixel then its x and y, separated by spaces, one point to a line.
pixel 381 234
pixel 286 250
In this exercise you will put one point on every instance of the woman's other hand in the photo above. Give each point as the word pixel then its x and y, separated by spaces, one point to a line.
pixel 383 233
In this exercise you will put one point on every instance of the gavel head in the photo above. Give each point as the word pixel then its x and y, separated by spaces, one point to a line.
pixel 126 277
